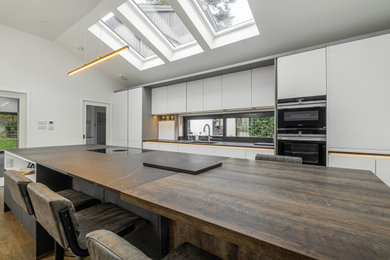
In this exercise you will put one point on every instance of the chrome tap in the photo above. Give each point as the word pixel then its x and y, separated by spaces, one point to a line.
pixel 204 130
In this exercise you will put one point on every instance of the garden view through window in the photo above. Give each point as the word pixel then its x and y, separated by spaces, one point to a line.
pixel 8 123
pixel 233 127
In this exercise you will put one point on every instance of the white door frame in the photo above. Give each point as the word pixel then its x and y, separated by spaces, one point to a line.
pixel 22 115
pixel 108 118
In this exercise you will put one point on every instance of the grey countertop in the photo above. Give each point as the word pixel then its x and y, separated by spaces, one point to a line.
pixel 218 143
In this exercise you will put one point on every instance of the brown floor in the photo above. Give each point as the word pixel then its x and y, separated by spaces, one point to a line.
pixel 15 241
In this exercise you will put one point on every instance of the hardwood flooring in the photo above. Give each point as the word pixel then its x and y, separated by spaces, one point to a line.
pixel 15 242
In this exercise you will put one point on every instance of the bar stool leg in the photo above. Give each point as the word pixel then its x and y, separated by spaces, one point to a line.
pixel 59 252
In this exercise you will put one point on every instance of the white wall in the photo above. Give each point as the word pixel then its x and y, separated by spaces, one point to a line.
pixel 38 67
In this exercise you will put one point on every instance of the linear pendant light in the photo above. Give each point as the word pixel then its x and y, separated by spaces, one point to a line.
pixel 93 63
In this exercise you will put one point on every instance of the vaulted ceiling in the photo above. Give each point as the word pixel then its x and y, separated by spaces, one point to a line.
pixel 284 26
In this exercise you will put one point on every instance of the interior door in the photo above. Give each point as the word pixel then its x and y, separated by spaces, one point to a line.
pixel 96 123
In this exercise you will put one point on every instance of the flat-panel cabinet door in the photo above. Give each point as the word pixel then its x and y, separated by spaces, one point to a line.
pixel 263 87
pixel 177 98
pixel 119 118
pixel 352 162
pixel 230 152
pixel 160 100
pixel 383 170
pixel 359 92
pixel 135 118
pixel 302 74
pixel 212 93
pixel 195 96
pixel 237 90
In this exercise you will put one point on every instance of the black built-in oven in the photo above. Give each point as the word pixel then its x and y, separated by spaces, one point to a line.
pixel 302 129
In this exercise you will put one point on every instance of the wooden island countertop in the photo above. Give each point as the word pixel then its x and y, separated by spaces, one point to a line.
pixel 282 210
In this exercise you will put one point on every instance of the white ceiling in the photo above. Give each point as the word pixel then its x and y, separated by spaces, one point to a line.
pixel 45 18
pixel 284 25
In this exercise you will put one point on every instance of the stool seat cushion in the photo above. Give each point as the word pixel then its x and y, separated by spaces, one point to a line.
pixel 103 216
pixel 78 199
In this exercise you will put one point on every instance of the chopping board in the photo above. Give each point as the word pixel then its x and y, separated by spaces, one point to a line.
pixel 183 164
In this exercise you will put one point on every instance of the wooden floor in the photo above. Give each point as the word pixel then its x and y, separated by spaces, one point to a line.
pixel 15 241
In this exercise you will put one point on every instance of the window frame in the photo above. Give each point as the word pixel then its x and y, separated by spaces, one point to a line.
pixel 224 117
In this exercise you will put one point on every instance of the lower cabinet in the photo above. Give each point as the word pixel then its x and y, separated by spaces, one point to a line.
pixel 233 152
pixel 352 162
pixel 377 165
pixel 383 170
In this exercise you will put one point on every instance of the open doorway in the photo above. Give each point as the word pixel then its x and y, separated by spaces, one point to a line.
pixel 96 123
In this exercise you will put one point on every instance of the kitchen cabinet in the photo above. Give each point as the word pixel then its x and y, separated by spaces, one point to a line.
pixel 263 87
pixel 383 170
pixel 212 93
pixel 160 100
pixel 237 90
pixel 230 152
pixel 169 147
pixel 119 118
pixel 151 146
pixel 358 96
pixel 196 149
pixel 302 74
pixel 195 96
pixel 135 121
pixel 177 98
pixel 251 153
pixel 352 162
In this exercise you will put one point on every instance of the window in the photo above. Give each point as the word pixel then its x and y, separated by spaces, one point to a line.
pixel 8 123
pixel 225 14
pixel 162 15
pixel 245 127
pixel 127 35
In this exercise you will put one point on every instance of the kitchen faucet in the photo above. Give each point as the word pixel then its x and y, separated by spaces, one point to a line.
pixel 204 130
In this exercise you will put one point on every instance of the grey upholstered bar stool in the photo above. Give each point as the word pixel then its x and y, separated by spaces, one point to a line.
pixel 68 228
pixel 278 158
pixel 17 184
pixel 105 245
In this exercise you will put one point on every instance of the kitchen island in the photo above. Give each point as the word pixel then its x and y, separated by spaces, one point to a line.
pixel 243 209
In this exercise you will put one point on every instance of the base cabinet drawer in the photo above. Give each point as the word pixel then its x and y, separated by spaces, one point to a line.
pixel 168 147
pixel 251 153
pixel 195 149
pixel 230 152
pixel 151 146
pixel 383 170
pixel 352 162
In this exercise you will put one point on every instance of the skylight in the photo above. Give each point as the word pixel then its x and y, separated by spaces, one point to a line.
pixel 162 15
pixel 225 14
pixel 127 35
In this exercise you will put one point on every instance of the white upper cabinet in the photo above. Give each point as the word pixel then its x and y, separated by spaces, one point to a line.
pixel 177 98
pixel 212 93
pixel 119 118
pixel 135 118
pixel 302 74
pixel 359 95
pixel 237 90
pixel 195 96
pixel 160 100
pixel 263 87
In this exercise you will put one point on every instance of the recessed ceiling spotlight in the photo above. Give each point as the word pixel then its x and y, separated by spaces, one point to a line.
pixel 44 21
pixel 122 77
pixel 79 47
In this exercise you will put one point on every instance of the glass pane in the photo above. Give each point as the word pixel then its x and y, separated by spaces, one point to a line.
pixel 166 20
pixel 95 125
pixel 195 126
pixel 250 127
pixel 224 14
pixel 127 35
pixel 8 123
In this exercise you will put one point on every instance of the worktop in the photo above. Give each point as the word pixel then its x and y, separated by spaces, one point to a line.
pixel 216 143
pixel 285 211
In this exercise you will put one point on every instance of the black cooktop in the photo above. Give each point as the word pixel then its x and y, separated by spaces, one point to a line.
pixel 117 151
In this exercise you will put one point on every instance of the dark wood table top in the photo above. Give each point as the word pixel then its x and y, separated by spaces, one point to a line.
pixel 283 210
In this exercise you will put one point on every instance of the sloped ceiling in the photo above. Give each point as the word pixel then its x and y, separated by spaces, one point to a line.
pixel 284 26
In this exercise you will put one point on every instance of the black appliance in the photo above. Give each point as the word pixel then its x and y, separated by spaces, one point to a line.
pixel 302 129
pixel 118 151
